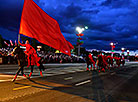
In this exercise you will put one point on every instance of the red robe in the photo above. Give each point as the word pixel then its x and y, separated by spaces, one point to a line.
pixel 90 56
pixel 32 57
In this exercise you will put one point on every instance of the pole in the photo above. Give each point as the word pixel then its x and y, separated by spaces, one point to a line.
pixel 112 51
pixel 19 38
pixel 78 49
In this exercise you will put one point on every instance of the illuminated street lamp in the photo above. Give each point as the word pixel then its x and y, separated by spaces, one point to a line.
pixel 128 52
pixel 123 50
pixel 112 48
pixel 80 30
pixel 128 55
pixel 86 27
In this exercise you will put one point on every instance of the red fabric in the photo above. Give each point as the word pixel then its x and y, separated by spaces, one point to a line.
pixel 32 57
pixel 70 45
pixel 35 23
pixel 103 58
pixel 90 56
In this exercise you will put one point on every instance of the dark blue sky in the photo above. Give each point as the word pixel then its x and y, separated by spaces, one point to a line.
pixel 108 20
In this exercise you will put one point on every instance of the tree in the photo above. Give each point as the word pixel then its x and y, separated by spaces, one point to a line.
pixel 1 41
pixel 34 43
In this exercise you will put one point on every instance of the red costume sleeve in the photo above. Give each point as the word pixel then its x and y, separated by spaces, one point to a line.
pixel 90 56
pixel 22 44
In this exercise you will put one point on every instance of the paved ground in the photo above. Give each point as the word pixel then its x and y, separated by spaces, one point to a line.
pixel 70 83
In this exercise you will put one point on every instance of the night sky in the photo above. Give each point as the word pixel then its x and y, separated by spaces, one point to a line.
pixel 108 20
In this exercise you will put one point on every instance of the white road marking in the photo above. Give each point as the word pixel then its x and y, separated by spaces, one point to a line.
pixel 113 73
pixel 69 78
pixel 84 82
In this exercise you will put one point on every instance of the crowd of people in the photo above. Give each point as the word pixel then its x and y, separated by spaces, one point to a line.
pixel 102 62
pixel 50 57
pixel 47 57
pixel 5 56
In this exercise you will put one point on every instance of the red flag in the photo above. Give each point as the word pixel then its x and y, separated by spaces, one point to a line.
pixel 70 45
pixel 35 23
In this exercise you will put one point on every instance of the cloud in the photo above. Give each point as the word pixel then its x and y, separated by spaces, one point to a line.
pixel 10 14
pixel 117 3
pixel 108 20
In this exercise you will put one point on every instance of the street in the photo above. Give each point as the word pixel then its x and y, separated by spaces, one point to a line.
pixel 70 83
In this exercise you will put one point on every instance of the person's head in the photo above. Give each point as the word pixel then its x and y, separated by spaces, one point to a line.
pixel 27 42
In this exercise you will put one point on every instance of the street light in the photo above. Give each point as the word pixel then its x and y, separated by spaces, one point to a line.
pixel 86 27
pixel 80 30
pixel 127 55
pixel 111 44
pixel 123 50
pixel 112 48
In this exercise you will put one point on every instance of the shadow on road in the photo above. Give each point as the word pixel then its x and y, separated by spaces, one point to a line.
pixel 97 88
pixel 38 85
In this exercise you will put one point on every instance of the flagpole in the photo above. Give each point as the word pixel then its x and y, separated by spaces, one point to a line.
pixel 18 38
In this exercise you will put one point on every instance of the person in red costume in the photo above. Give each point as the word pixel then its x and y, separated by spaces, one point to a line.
pixel 32 57
pixel 109 61
pixel 89 61
pixel 101 63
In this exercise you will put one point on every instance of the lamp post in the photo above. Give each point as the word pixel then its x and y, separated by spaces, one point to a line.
pixel 112 48
pixel 123 50
pixel 79 42
pixel 128 55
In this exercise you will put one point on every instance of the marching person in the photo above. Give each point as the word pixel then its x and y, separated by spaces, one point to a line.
pixel 21 61
pixel 32 57
pixel 89 61
pixel 101 63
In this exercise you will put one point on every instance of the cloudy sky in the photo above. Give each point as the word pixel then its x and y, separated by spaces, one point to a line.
pixel 108 20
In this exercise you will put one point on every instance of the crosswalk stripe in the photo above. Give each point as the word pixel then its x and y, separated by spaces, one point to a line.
pixel 19 88
pixel 69 78
pixel 9 76
pixel 84 82
pixel 5 80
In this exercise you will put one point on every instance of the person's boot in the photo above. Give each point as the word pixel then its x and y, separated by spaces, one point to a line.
pixel 103 69
pixel 41 74
pixel 14 78
pixel 87 69
pixel 30 74
pixel 24 75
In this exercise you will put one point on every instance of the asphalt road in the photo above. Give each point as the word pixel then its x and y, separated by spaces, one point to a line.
pixel 70 83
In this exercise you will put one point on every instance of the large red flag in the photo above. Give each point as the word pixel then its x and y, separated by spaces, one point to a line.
pixel 35 23
pixel 70 45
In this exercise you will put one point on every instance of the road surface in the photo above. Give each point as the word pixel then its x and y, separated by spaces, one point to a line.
pixel 70 83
